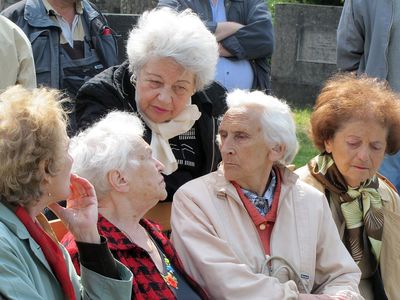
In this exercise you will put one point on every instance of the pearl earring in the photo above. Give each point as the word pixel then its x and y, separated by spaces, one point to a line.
pixel 49 194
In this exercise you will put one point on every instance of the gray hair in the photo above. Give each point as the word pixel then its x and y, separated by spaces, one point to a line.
pixel 105 146
pixel 181 36
pixel 276 121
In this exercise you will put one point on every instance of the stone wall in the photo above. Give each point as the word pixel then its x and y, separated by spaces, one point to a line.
pixel 305 52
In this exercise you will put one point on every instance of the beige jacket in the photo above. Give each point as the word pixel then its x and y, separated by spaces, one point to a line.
pixel 16 58
pixel 219 245
pixel 390 251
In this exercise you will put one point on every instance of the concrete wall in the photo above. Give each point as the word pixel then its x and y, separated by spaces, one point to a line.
pixel 305 52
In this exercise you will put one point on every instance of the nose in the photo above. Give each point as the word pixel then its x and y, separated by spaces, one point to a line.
pixel 159 165
pixel 165 94
pixel 226 147
pixel 363 153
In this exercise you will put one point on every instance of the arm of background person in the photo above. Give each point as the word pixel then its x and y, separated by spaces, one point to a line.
pixel 226 29
pixel 26 72
pixel 210 260
pixel 350 38
pixel 256 38
pixel 222 31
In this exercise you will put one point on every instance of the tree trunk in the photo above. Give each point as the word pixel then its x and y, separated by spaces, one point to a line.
pixel 137 6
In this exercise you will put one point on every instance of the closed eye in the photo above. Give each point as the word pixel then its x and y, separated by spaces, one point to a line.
pixel 179 90
pixel 154 83
pixel 241 135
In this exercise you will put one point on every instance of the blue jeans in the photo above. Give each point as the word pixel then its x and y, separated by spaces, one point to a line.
pixel 390 168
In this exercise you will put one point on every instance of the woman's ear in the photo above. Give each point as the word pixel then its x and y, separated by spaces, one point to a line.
pixel 117 181
pixel 44 169
pixel 276 152
pixel 328 146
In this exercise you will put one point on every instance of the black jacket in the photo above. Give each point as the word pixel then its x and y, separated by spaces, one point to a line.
pixel 112 90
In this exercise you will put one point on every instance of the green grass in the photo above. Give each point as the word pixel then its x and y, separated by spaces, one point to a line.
pixel 306 149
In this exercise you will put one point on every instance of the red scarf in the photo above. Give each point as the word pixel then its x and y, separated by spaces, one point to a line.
pixel 51 251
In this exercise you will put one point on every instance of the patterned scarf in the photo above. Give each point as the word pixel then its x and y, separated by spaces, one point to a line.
pixel 361 207
pixel 263 203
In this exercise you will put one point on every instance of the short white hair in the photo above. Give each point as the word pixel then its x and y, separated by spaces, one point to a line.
pixel 181 36
pixel 276 121
pixel 105 146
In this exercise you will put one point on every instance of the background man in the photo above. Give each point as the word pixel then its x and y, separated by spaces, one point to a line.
pixel 368 40
pixel 245 36
pixel 71 41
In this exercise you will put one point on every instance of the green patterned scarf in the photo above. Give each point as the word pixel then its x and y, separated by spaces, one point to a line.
pixel 361 207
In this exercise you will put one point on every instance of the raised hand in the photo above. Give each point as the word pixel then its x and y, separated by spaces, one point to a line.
pixel 80 215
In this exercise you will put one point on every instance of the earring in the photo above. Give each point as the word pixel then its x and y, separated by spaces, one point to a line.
pixel 49 194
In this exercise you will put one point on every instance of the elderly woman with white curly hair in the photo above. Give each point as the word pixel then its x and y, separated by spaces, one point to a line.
pixel 252 230
pixel 128 182
pixel 171 59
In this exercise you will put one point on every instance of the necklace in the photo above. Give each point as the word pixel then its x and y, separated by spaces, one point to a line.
pixel 149 243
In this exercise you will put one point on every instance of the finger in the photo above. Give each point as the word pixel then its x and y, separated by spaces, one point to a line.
pixel 74 194
pixel 84 187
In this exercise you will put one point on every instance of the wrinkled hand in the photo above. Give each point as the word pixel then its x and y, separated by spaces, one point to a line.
pixel 80 215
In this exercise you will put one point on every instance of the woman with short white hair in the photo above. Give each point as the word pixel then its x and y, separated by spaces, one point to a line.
pixel 128 182
pixel 168 80
pixel 252 230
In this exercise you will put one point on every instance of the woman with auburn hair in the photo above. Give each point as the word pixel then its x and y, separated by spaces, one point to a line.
pixel 35 172
pixel 356 120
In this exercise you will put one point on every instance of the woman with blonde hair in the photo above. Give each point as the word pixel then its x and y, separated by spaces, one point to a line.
pixel 35 172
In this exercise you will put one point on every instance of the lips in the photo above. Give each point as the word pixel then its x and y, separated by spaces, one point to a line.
pixel 229 164
pixel 360 167
pixel 160 109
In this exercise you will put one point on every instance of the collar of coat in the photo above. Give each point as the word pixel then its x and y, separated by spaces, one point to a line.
pixel 36 14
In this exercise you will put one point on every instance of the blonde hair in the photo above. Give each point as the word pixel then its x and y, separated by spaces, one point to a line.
pixel 32 132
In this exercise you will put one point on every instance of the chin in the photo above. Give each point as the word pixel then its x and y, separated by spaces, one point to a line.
pixel 163 197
